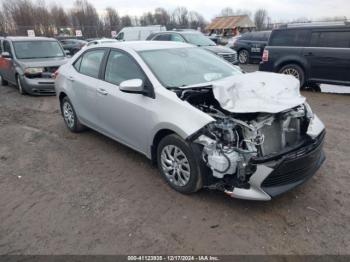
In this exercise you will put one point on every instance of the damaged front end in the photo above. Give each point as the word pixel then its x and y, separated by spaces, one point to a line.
pixel 256 156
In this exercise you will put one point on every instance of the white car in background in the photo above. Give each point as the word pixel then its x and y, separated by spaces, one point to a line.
pixel 203 121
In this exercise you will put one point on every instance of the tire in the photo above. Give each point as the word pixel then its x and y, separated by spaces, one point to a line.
pixel 243 56
pixel 4 82
pixel 19 85
pixel 70 117
pixel 178 165
pixel 294 70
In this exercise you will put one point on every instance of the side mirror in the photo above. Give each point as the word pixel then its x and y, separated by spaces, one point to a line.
pixel 5 55
pixel 67 52
pixel 134 86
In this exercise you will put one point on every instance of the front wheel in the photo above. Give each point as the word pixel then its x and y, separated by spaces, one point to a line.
pixel 295 71
pixel 70 117
pixel 243 56
pixel 178 165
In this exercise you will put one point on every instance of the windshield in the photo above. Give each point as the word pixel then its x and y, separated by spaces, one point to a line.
pixel 37 49
pixel 179 67
pixel 198 39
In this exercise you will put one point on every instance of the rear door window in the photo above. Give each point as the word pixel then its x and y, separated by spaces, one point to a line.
pixel 91 62
pixel 336 39
pixel 295 37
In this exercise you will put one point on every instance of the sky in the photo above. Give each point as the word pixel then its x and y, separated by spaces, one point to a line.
pixel 279 10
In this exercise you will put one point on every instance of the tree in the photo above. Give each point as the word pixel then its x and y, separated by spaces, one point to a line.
pixel 196 20
pixel 260 19
pixel 111 21
pixel 85 17
pixel 228 11
pixel 180 17
pixel 126 21
pixel 161 17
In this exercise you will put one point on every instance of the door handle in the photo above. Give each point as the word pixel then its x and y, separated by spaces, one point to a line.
pixel 71 78
pixel 309 54
pixel 102 91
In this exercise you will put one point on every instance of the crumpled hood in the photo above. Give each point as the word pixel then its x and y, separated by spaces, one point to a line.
pixel 258 92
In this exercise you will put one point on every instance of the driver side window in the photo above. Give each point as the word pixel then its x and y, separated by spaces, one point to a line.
pixel 7 47
pixel 121 67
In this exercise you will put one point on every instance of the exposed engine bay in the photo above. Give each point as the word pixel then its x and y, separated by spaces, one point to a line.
pixel 234 139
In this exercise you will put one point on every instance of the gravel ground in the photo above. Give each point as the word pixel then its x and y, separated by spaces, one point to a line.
pixel 64 193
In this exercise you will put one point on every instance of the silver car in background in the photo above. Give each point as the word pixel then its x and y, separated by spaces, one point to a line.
pixel 30 63
pixel 199 118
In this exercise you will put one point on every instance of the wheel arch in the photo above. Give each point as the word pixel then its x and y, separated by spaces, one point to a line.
pixel 156 139
pixel 61 96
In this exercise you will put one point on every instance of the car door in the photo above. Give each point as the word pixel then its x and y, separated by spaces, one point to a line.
pixel 8 69
pixel 328 55
pixel 124 116
pixel 85 81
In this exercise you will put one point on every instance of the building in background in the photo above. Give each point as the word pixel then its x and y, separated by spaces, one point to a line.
pixel 228 26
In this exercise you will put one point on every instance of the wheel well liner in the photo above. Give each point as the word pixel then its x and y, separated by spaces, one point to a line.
pixel 61 96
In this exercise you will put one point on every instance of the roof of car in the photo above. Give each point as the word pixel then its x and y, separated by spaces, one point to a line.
pixel 26 38
pixel 179 32
pixel 312 26
pixel 148 45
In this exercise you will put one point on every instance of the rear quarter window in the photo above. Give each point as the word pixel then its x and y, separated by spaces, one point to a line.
pixel 295 37
pixel 335 39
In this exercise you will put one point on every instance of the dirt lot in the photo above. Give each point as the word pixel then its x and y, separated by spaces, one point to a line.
pixel 64 193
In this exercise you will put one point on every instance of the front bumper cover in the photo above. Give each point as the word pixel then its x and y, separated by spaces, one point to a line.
pixel 38 86
pixel 281 173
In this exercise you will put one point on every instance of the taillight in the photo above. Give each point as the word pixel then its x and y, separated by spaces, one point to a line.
pixel 265 56
pixel 55 74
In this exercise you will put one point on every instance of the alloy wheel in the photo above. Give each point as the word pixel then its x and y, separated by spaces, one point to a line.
pixel 291 71
pixel 243 57
pixel 68 115
pixel 175 165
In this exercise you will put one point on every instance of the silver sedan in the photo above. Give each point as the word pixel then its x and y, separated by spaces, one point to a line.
pixel 203 121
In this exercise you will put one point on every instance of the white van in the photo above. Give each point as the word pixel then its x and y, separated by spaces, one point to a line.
pixel 137 33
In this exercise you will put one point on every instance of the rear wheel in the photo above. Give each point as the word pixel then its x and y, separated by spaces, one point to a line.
pixel 243 56
pixel 70 117
pixel 294 70
pixel 4 82
pixel 178 165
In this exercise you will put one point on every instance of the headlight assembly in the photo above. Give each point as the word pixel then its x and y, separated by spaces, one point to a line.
pixel 33 70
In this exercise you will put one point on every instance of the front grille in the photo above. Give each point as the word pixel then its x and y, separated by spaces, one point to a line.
pixel 230 57
pixel 296 166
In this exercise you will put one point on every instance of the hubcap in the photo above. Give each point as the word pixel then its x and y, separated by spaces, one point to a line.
pixel 175 165
pixel 68 114
pixel 291 71
pixel 243 57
